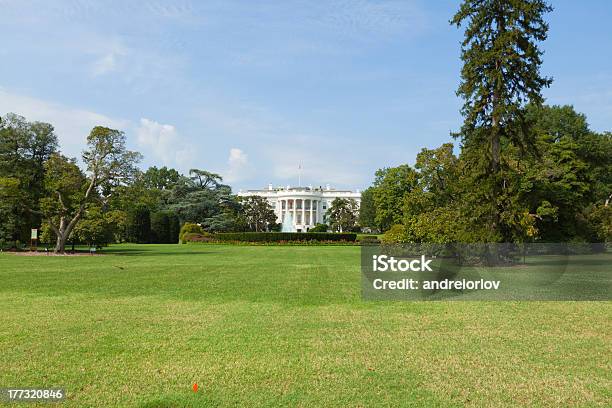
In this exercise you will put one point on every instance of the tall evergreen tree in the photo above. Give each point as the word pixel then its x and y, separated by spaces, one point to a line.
pixel 500 76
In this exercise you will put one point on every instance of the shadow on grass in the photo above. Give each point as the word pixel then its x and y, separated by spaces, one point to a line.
pixel 144 251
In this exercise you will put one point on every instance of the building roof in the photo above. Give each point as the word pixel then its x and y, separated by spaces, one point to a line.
pixel 322 189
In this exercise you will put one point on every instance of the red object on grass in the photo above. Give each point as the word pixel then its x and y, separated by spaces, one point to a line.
pixel 195 387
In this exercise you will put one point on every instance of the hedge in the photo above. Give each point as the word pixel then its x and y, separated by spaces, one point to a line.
pixel 284 236
pixel 196 237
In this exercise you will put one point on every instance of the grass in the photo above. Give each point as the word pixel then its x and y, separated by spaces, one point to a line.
pixel 274 325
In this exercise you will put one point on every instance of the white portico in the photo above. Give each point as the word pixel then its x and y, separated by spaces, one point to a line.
pixel 301 208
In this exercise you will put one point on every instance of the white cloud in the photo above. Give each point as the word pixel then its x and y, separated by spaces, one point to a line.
pixel 72 125
pixel 110 52
pixel 104 65
pixel 163 142
pixel 237 165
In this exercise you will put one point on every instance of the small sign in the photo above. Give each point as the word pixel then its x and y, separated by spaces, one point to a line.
pixel 34 233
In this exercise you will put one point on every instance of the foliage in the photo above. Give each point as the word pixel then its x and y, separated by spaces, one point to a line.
pixel 139 225
pixel 10 196
pixel 93 229
pixel 367 209
pixel 161 179
pixel 391 185
pixel 65 186
pixel 189 228
pixel 199 197
pixel 319 228
pixel 258 213
pixel 342 215
pixel 500 76
pixel 599 218
pixel 118 220
pixel 109 165
pixel 197 237
pixel 395 235
pixel 24 148
pixel 164 228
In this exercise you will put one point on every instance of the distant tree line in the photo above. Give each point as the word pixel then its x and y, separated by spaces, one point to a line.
pixel 107 198
pixel 558 192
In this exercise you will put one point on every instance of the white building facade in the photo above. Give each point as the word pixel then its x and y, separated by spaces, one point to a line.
pixel 299 209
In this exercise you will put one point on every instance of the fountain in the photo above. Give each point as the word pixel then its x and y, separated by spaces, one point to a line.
pixel 288 222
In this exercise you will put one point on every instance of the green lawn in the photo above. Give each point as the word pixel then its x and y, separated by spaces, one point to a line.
pixel 275 325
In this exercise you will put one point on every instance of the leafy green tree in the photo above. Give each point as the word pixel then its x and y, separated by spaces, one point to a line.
pixel 199 197
pixel 10 197
pixel 319 228
pixel 139 224
pixel 230 218
pixel 94 228
pixel 599 218
pixel 24 148
pixel 203 179
pixel 395 235
pixel 63 204
pixel 367 209
pixel 500 76
pixel 69 192
pixel 161 179
pixel 432 209
pixel 174 228
pixel 438 172
pixel 391 185
pixel 569 179
pixel 117 220
pixel 258 213
pixel 164 228
pixel 343 214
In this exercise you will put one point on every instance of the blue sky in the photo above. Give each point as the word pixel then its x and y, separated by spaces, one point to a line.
pixel 252 89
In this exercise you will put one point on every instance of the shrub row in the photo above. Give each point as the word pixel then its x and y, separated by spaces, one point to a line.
pixel 197 237
pixel 284 236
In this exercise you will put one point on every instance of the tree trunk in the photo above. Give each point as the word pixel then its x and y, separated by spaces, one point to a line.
pixel 60 244
pixel 64 232
pixel 495 147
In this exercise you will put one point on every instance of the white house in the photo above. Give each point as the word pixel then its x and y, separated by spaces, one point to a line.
pixel 301 208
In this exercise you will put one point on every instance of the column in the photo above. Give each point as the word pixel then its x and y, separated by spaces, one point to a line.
pixel 303 211
pixel 312 220
pixel 294 212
